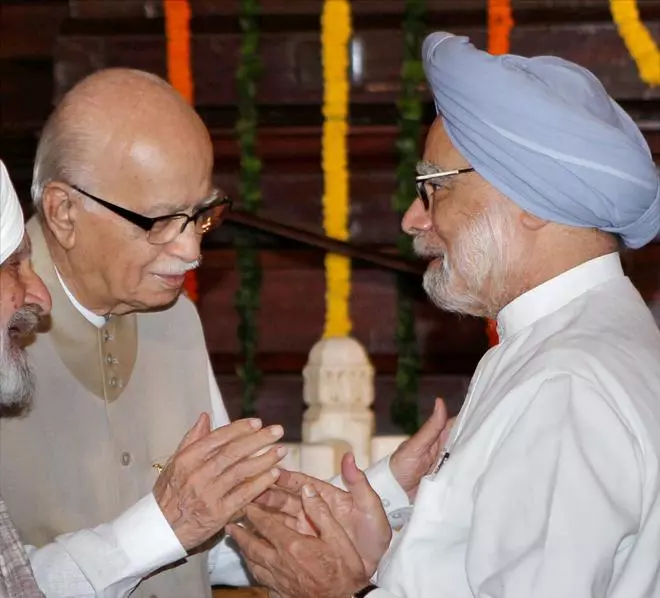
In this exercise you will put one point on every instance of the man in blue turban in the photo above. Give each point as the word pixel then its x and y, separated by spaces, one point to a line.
pixel 549 487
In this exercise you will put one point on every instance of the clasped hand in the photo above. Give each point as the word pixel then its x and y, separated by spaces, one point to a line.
pixel 307 538
pixel 213 475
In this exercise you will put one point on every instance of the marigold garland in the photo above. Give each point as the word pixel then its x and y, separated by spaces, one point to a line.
pixel 179 73
pixel 500 23
pixel 637 38
pixel 335 36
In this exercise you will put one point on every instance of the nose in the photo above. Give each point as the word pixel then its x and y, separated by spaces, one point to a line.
pixel 36 291
pixel 186 246
pixel 416 219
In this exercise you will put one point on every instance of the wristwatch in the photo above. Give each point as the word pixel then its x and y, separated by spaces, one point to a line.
pixel 365 591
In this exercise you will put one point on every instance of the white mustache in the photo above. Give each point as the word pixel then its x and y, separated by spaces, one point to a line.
pixel 422 249
pixel 177 269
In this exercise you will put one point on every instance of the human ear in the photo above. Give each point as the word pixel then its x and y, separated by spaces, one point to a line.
pixel 59 213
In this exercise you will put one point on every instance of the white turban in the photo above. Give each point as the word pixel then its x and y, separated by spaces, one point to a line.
pixel 544 132
pixel 11 217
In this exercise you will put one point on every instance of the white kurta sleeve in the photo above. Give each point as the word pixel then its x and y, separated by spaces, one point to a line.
pixel 559 498
pixel 381 593
pixel 108 560
pixel 392 495
pixel 219 416
pixel 226 566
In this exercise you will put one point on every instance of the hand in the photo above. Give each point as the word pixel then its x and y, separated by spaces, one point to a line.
pixel 415 457
pixel 213 475
pixel 359 511
pixel 293 564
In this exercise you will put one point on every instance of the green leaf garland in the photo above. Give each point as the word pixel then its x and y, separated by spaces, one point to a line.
pixel 247 298
pixel 404 410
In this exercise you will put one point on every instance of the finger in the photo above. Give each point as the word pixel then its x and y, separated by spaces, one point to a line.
pixel 430 432
pixel 243 494
pixel 444 437
pixel 358 485
pixel 236 474
pixel 229 468
pixel 293 481
pixel 265 578
pixel 291 522
pixel 255 549
pixel 281 500
pixel 203 448
pixel 330 530
pixel 201 428
pixel 268 526
pixel 243 447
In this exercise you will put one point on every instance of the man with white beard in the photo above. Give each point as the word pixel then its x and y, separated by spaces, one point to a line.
pixel 23 299
pixel 549 485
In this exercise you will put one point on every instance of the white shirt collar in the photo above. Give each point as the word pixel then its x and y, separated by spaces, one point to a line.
pixel 556 293
pixel 90 316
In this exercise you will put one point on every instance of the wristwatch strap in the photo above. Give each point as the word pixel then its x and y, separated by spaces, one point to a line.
pixel 365 591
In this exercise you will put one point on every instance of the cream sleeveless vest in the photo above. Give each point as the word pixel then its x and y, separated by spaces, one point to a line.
pixel 110 403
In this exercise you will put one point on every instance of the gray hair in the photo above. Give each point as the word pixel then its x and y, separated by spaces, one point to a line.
pixel 58 157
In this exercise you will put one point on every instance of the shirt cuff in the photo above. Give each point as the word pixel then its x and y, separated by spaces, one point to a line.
pixel 380 593
pixel 146 537
pixel 392 495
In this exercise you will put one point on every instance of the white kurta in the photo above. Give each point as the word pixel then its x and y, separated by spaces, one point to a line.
pixel 552 487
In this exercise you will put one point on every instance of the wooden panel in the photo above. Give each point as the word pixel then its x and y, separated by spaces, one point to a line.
pixel 292 64
pixel 25 94
pixel 21 21
pixel 437 8
pixel 293 307
pixel 280 399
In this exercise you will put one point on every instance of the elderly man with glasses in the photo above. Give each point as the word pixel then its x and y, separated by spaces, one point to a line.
pixel 108 493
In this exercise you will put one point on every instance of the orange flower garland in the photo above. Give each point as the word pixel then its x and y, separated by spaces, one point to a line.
pixel 500 23
pixel 179 73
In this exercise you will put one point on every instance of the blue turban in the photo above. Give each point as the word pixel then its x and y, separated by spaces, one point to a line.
pixel 544 132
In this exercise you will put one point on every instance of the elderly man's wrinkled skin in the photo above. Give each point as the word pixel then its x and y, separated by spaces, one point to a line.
pixel 286 548
pixel 330 547
pixel 23 300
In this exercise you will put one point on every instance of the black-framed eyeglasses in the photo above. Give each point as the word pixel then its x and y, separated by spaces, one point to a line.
pixel 425 185
pixel 164 229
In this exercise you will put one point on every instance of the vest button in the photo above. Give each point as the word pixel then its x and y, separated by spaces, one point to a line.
pixel 107 336
pixel 110 360
pixel 125 458
pixel 112 382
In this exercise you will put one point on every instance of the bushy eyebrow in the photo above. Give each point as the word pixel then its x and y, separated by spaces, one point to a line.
pixel 426 167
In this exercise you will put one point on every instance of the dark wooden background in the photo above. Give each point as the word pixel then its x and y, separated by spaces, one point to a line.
pixel 46 46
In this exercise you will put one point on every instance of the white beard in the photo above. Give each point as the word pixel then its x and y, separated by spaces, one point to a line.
pixel 17 381
pixel 472 280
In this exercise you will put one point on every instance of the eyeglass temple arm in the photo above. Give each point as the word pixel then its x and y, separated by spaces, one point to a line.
pixel 325 243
